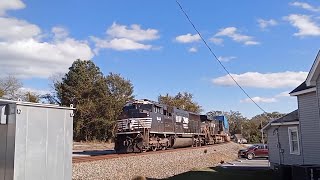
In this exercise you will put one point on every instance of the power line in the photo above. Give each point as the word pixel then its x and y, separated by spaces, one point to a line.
pixel 205 42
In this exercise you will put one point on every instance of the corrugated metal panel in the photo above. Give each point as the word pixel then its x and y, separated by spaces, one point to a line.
pixel 3 149
pixel 36 143
pixel 48 143
pixel 68 136
pixel 35 167
pixel 7 135
pixel 10 155
pixel 309 127
pixel 55 141
pixel 21 148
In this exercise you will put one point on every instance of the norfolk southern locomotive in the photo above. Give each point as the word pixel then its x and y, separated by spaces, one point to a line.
pixel 146 125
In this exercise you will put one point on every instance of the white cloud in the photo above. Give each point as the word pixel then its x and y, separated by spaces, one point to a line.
pixel 217 41
pixel 305 6
pixel 226 58
pixel 233 33
pixel 32 58
pixel 23 54
pixel 193 50
pixel 60 32
pixel 14 29
pixel 121 44
pixel 122 38
pixel 273 99
pixel 267 80
pixel 305 25
pixel 134 33
pixel 266 23
pixel 258 99
pixel 188 38
pixel 251 43
pixel 10 5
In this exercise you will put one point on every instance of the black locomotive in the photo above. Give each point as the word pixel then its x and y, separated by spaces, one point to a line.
pixel 146 125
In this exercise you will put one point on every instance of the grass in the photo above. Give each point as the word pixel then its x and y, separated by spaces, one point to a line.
pixel 219 173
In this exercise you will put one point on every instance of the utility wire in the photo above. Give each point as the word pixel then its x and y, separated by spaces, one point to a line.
pixel 205 42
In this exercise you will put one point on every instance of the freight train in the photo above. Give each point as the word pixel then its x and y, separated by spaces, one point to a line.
pixel 146 125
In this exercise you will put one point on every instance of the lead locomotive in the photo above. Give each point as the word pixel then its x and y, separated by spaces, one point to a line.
pixel 146 125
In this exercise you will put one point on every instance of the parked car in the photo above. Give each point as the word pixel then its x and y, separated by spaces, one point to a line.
pixel 257 150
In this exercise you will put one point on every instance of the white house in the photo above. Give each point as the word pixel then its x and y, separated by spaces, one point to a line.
pixel 294 139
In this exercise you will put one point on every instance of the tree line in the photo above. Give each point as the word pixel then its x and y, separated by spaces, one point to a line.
pixel 250 128
pixel 10 88
pixel 99 100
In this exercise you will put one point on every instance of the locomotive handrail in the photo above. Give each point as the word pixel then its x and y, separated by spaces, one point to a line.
pixel 136 123
pixel 141 123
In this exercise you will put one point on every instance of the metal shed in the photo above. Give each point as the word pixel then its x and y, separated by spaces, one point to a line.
pixel 35 141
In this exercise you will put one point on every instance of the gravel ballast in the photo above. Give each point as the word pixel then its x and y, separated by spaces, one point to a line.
pixel 160 165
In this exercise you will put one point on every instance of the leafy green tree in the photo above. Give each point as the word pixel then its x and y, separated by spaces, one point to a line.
pixel 258 122
pixel 120 91
pixel 98 99
pixel 235 120
pixel 181 100
pixel 264 118
pixel 85 87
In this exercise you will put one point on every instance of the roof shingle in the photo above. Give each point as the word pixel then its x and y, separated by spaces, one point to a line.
pixel 291 117
pixel 301 87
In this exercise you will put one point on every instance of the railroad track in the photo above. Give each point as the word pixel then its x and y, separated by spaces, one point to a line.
pixel 81 159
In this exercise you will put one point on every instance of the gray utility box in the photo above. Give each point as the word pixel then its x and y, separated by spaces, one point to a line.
pixel 35 141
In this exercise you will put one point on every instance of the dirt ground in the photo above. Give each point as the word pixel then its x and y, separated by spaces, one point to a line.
pixel 92 146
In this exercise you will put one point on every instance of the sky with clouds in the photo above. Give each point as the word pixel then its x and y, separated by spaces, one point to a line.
pixel 268 46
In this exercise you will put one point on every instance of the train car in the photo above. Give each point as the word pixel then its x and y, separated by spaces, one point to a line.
pixel 215 129
pixel 147 125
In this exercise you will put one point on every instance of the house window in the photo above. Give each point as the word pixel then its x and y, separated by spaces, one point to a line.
pixel 294 140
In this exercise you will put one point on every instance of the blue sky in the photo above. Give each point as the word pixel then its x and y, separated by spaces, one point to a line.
pixel 269 46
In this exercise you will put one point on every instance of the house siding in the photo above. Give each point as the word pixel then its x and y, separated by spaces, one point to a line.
pixel 272 146
pixel 275 155
pixel 309 127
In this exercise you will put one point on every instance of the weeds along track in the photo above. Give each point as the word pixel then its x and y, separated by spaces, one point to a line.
pixel 81 159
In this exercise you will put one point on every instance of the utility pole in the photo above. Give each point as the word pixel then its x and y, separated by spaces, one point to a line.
pixel 261 132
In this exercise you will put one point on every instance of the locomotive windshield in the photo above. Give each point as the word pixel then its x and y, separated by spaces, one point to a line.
pixel 147 107
pixel 136 110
